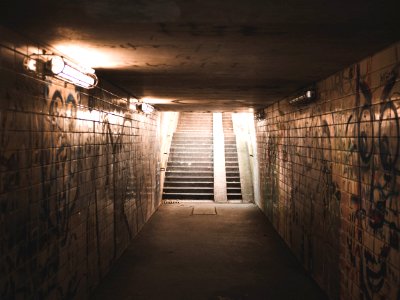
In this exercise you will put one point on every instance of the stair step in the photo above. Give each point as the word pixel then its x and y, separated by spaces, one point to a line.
pixel 193 154
pixel 232 179
pixel 196 117
pixel 193 145
pixel 232 169
pixel 183 142
pixel 201 196
pixel 176 178
pixel 191 122
pixel 207 119
pixel 230 150
pixel 189 190
pixel 189 134
pixel 192 151
pixel 188 164
pixel 178 138
pixel 230 174
pixel 190 173
pixel 187 159
pixel 234 196
pixel 191 148
pixel 190 168
pixel 191 130
pixel 173 184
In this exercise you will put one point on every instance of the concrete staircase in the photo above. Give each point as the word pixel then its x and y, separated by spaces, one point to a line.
pixel 190 172
pixel 231 159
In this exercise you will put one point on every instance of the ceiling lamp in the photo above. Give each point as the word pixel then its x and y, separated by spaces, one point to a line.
pixel 306 97
pixel 132 103
pixel 146 108
pixel 61 68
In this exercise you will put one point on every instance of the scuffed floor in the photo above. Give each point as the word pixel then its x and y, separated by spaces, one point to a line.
pixel 186 251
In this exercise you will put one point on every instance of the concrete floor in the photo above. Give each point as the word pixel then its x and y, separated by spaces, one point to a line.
pixel 185 253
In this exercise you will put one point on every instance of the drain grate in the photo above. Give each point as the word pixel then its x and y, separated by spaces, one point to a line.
pixel 204 210
pixel 170 202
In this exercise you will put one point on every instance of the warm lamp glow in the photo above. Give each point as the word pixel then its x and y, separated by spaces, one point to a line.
pixel 146 108
pixel 92 56
pixel 62 68
pixel 153 100
pixel 31 64
pixel 133 104
pixel 304 98
pixel 57 64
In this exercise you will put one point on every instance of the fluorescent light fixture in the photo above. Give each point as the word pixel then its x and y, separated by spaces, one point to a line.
pixel 133 104
pixel 146 108
pixel 30 64
pixel 307 96
pixel 61 68
pixel 259 114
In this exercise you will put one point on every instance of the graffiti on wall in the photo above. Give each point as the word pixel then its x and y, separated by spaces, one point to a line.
pixel 84 167
pixel 336 174
pixel 373 237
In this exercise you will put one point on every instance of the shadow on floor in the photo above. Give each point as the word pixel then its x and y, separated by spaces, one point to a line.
pixel 188 252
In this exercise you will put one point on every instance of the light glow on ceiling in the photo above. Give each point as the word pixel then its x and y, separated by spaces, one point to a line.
pixel 153 100
pixel 91 56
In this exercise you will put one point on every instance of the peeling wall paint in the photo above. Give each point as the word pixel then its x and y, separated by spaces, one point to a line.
pixel 329 178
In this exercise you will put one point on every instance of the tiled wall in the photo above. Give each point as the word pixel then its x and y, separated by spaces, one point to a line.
pixel 78 179
pixel 330 178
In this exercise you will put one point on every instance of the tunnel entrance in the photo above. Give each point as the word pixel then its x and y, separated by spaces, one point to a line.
pixel 203 162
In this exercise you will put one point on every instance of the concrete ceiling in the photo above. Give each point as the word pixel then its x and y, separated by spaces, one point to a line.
pixel 209 55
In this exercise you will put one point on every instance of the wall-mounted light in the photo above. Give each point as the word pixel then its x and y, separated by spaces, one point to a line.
pixel 146 108
pixel 306 97
pixel 259 114
pixel 133 103
pixel 61 68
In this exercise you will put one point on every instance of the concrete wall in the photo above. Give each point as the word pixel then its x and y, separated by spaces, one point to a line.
pixel 244 129
pixel 79 176
pixel 330 178
pixel 167 124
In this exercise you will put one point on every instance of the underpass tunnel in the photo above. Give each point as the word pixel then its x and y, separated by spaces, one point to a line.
pixel 185 150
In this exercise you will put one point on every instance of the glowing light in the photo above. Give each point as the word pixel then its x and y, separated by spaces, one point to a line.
pixel 310 94
pixel 59 67
pixel 133 102
pixel 92 56
pixel 30 64
pixel 74 76
pixel 307 96
pixel 132 106
pixel 152 100
pixel 146 108
pixel 57 64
